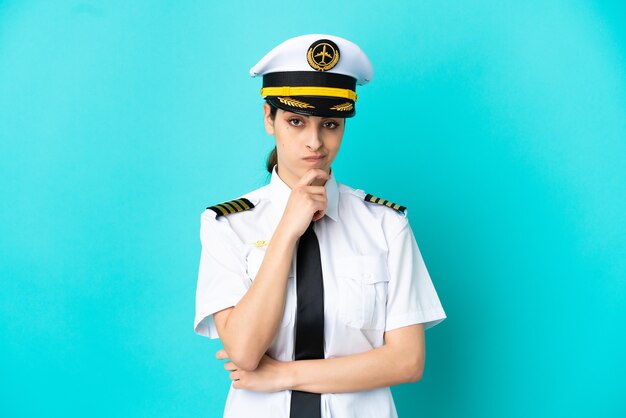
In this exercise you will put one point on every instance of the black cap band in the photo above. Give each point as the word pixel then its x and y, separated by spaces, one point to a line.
pixel 309 78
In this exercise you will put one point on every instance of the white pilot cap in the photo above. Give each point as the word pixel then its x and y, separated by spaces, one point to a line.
pixel 314 75
pixel 292 55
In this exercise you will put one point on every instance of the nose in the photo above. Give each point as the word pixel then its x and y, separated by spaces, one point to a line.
pixel 314 138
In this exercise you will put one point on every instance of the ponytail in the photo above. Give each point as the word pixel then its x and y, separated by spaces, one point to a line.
pixel 272 160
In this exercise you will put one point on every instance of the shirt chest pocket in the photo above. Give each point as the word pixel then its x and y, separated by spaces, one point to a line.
pixel 253 264
pixel 362 286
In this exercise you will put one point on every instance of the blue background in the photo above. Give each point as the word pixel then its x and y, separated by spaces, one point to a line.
pixel 501 125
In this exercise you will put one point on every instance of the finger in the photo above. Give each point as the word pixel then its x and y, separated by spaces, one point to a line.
pixel 314 189
pixel 318 215
pixel 221 354
pixel 319 205
pixel 311 175
pixel 229 365
pixel 234 375
pixel 319 198
pixel 320 211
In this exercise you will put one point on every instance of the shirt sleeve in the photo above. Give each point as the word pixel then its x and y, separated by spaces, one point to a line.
pixel 411 298
pixel 222 272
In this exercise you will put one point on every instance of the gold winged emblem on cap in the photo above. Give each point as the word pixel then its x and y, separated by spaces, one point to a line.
pixel 319 52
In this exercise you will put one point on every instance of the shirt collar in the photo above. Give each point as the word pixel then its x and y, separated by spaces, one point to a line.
pixel 280 191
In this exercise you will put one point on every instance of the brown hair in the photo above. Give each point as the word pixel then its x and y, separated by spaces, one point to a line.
pixel 272 159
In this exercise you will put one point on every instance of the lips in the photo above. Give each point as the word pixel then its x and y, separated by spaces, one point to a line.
pixel 314 158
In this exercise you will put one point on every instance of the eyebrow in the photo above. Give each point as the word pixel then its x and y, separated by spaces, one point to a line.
pixel 297 114
pixel 308 116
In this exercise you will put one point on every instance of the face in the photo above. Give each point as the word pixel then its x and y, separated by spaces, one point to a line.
pixel 300 139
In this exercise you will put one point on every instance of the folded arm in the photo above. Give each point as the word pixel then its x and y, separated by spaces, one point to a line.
pixel 399 360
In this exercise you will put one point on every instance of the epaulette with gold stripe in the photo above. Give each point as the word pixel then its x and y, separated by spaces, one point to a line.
pixel 233 206
pixel 374 199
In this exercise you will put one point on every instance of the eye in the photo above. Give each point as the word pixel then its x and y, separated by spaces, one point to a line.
pixel 295 121
pixel 330 124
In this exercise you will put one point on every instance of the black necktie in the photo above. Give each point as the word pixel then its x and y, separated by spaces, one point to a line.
pixel 309 319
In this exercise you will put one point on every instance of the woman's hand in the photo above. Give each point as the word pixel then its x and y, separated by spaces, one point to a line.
pixel 269 376
pixel 306 203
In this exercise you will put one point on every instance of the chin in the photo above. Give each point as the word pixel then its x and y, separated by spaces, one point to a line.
pixel 320 166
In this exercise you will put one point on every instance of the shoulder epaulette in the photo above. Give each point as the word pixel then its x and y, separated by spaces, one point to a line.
pixel 371 198
pixel 232 206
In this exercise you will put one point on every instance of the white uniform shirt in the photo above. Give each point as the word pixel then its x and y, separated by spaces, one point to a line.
pixel 375 280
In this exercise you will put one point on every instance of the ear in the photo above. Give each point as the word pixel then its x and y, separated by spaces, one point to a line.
pixel 267 119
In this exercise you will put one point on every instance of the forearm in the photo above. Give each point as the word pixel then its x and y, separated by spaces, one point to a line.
pixel 380 367
pixel 252 324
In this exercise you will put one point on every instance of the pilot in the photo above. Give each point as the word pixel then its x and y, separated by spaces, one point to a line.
pixel 317 290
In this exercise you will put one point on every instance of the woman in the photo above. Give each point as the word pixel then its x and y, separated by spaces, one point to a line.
pixel 317 291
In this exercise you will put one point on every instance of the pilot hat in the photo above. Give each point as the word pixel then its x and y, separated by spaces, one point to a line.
pixel 314 75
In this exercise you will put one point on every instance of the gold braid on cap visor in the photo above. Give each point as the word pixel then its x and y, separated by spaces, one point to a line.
pixel 309 91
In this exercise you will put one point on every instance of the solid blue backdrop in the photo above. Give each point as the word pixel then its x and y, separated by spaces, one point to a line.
pixel 501 125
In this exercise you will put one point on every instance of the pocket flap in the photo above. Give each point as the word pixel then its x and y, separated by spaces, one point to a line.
pixel 363 268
